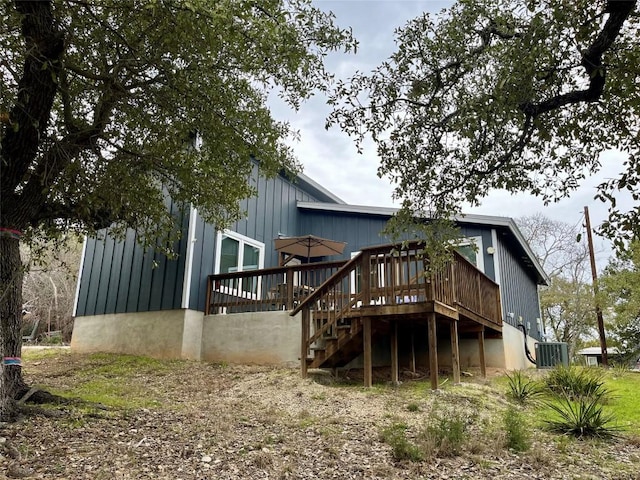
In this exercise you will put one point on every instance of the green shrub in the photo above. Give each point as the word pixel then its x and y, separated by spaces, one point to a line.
pixel 522 388
pixel 581 417
pixel 619 369
pixel 444 433
pixel 517 438
pixel 576 383
pixel 402 448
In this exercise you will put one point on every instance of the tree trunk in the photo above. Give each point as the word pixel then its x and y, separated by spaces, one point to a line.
pixel 11 273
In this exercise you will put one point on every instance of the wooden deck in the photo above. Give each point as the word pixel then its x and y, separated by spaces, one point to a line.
pixel 344 305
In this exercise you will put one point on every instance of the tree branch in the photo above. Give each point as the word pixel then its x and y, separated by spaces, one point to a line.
pixel 37 88
pixel 619 11
pixel 59 155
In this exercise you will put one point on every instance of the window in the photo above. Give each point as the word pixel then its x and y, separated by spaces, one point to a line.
pixel 237 253
pixel 471 249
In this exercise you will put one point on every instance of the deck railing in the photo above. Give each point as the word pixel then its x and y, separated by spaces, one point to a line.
pixel 476 292
pixel 381 275
pixel 280 288
pixel 388 276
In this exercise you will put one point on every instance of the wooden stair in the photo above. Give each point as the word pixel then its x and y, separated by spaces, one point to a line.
pixel 385 285
pixel 342 346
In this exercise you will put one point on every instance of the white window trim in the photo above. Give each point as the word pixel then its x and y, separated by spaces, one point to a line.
pixel 477 241
pixel 496 255
pixel 242 239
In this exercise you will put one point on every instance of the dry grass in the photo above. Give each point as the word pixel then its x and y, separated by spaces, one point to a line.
pixel 187 420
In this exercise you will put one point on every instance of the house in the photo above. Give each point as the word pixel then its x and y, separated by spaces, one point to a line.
pixel 593 355
pixel 225 297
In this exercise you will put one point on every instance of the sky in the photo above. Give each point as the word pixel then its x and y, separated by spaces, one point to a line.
pixel 331 159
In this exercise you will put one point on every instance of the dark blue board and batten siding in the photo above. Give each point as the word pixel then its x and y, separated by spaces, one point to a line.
pixel 271 213
pixel 360 230
pixel 121 277
pixel 518 285
pixel 519 290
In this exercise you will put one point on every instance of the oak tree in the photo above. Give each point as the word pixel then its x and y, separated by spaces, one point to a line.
pixel 621 290
pixel 101 100
pixel 520 95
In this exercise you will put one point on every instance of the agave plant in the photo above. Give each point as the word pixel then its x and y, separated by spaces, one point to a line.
pixel 581 417
pixel 576 383
pixel 522 388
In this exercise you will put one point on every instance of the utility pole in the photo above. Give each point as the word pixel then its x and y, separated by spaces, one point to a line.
pixel 594 276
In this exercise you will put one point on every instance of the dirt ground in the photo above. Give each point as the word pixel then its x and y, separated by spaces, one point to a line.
pixel 188 421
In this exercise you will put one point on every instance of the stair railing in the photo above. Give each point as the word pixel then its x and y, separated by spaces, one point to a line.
pixel 393 275
pixel 381 275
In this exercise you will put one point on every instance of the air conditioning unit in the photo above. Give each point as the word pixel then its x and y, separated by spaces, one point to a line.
pixel 550 354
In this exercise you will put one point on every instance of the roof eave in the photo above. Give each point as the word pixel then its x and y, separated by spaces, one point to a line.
pixel 317 190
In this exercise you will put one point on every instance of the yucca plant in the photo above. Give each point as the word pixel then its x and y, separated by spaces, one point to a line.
pixel 576 383
pixel 521 388
pixel 581 417
pixel 619 369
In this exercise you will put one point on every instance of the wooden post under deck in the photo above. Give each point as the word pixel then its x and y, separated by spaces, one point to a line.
pixel 366 342
pixel 433 351
pixel 483 364
pixel 394 353
pixel 455 351
pixel 304 342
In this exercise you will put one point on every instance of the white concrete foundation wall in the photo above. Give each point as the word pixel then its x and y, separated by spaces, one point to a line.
pixel 506 353
pixel 192 335
pixel 514 354
pixel 470 353
pixel 153 334
pixel 265 338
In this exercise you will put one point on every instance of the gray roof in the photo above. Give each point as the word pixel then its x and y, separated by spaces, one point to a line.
pixel 505 223
pixel 315 189
pixel 598 351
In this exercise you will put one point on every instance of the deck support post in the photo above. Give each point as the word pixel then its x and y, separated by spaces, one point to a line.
pixel 455 351
pixel 368 364
pixel 394 353
pixel 483 364
pixel 433 351
pixel 304 345
pixel 289 284
pixel 207 302
pixel 413 351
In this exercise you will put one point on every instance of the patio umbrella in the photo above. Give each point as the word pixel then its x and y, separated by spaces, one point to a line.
pixel 309 246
